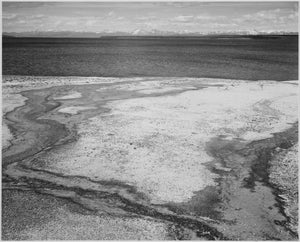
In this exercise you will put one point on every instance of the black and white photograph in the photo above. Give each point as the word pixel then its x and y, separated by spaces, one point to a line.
pixel 149 120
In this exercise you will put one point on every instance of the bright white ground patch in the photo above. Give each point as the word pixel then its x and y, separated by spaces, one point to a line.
pixel 6 135
pixel 293 82
pixel 161 90
pixel 10 101
pixel 71 95
pixel 74 109
pixel 158 144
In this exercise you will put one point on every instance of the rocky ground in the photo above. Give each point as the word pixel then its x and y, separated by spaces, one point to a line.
pixel 284 176
pixel 148 158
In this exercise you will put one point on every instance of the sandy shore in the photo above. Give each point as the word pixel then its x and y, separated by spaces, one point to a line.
pixel 178 154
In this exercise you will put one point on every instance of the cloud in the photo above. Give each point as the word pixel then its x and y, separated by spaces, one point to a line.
pixel 111 13
pixel 198 18
pixel 9 16
pixel 208 17
pixel 180 4
pixel 36 17
pixel 146 18
pixel 223 25
pixel 183 18
pixel 21 5
pixel 275 16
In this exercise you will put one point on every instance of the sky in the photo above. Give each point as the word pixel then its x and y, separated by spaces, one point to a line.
pixel 181 17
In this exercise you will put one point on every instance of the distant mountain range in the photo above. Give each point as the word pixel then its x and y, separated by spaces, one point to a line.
pixel 137 32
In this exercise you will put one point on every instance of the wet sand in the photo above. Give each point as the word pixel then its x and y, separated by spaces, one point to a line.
pixel 176 154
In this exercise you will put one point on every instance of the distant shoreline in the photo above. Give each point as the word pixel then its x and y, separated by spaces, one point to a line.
pixel 263 36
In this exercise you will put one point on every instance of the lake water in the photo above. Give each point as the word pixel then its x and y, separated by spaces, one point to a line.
pixel 236 58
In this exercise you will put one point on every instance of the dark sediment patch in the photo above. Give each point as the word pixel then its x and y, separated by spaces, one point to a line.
pixel 38 133
pixel 253 169
pixel 260 168
pixel 242 165
pixel 204 204
pixel 264 150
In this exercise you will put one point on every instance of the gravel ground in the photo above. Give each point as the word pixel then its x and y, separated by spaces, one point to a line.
pixel 284 175
pixel 27 215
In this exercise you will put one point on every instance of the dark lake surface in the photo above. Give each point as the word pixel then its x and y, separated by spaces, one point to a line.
pixel 237 58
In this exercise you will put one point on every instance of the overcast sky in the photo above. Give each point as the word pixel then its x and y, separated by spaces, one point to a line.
pixel 167 16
